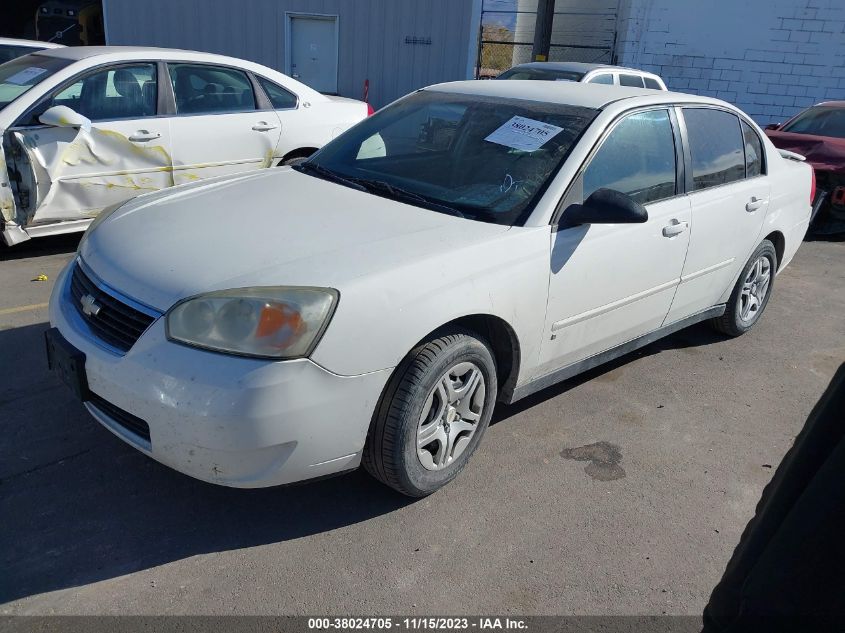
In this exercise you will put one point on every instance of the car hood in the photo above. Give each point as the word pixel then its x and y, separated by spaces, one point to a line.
pixel 824 153
pixel 272 227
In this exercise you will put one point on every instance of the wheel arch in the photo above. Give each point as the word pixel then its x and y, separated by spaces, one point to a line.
pixel 503 342
pixel 300 152
pixel 779 241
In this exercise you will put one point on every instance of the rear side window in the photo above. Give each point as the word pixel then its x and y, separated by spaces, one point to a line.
pixel 753 152
pixel 280 98
pixel 634 81
pixel 652 83
pixel 604 78
pixel 716 147
pixel 637 159
pixel 206 89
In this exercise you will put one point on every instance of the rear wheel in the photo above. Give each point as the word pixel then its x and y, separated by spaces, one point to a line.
pixel 433 414
pixel 751 292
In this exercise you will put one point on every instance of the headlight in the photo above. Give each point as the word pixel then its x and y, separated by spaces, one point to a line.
pixel 273 322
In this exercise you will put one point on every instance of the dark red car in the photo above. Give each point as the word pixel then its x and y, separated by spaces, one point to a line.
pixel 818 133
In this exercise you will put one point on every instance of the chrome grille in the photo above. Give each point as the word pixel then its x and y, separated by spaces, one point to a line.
pixel 116 323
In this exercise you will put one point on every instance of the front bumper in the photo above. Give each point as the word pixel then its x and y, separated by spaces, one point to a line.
pixel 224 419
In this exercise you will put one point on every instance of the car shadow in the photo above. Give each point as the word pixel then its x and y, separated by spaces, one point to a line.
pixel 80 506
pixel 39 247
pixel 694 336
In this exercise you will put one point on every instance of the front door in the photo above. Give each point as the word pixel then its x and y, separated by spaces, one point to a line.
pixel 611 283
pixel 79 171
pixel 218 128
pixel 312 55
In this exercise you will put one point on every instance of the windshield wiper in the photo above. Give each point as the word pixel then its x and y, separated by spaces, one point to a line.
pixel 397 193
pixel 328 174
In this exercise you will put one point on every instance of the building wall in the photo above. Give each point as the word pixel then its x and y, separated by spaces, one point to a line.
pixel 371 36
pixel 772 58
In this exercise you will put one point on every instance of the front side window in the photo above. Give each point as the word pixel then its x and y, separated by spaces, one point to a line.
pixel 652 83
pixel 206 89
pixel 604 78
pixel 281 98
pixel 22 74
pixel 753 152
pixel 486 158
pixel 125 92
pixel 633 81
pixel 637 159
pixel 716 146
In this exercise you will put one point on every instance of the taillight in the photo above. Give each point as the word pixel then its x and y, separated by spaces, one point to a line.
pixel 813 186
pixel 370 110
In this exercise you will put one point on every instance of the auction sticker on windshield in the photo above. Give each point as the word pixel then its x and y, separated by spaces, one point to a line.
pixel 26 75
pixel 524 134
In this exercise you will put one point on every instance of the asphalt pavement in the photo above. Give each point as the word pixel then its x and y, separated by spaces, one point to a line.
pixel 623 491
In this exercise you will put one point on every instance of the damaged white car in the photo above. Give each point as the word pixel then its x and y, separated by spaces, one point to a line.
pixel 84 128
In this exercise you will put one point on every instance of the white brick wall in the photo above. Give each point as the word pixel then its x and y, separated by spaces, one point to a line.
pixel 772 58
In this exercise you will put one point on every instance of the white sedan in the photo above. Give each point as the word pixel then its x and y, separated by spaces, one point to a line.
pixel 84 128
pixel 474 242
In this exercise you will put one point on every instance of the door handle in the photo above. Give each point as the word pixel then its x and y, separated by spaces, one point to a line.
pixel 143 135
pixel 263 126
pixel 754 204
pixel 675 228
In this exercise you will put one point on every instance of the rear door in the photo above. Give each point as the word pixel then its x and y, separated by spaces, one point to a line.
pixel 729 194
pixel 126 152
pixel 222 125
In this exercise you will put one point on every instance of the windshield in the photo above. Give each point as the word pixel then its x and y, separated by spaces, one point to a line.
pixel 541 74
pixel 485 158
pixel 11 51
pixel 21 74
pixel 820 121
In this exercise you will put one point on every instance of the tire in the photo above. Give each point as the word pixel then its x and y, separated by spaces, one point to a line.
pixel 750 297
pixel 293 161
pixel 447 434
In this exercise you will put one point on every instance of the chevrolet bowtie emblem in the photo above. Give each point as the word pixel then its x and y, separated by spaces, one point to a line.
pixel 89 305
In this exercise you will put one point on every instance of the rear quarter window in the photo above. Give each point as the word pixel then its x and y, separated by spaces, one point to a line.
pixel 652 83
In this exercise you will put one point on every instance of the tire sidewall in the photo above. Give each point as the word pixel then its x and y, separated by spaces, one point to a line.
pixel 415 477
pixel 766 249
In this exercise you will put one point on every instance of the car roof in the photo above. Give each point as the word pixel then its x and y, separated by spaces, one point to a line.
pixel 11 41
pixel 77 53
pixel 830 104
pixel 597 96
pixel 580 67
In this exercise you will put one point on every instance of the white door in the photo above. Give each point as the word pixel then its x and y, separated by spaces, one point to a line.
pixel 312 48
pixel 729 197
pixel 218 128
pixel 611 283
pixel 125 153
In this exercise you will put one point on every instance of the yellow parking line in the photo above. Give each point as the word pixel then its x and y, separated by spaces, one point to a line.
pixel 34 306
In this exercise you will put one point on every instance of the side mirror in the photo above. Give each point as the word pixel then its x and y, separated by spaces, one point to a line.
pixel 62 116
pixel 773 126
pixel 605 206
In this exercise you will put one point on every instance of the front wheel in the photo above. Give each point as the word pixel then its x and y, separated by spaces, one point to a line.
pixel 751 292
pixel 433 414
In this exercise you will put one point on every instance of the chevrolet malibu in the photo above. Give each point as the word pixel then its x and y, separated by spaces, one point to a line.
pixel 86 127
pixel 472 243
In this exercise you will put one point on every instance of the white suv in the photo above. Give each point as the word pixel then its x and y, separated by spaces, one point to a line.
pixel 585 73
